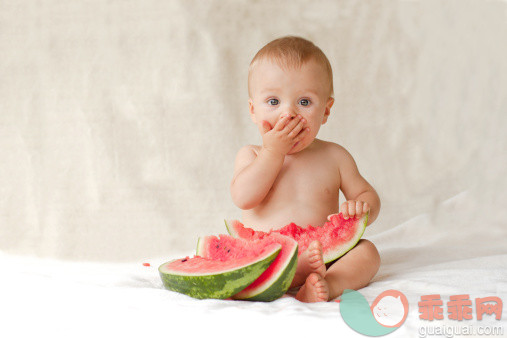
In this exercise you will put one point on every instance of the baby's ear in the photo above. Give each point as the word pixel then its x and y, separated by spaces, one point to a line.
pixel 329 104
pixel 251 110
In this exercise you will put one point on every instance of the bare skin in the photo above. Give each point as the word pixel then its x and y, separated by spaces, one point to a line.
pixel 295 177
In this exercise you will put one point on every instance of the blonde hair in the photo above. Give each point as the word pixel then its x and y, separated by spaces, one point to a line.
pixel 291 52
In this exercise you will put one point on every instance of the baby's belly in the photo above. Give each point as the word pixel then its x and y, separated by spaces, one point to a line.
pixel 277 216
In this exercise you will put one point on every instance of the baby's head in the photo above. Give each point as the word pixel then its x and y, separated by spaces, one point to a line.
pixel 291 75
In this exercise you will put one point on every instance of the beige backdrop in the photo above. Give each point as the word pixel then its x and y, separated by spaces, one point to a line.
pixel 120 120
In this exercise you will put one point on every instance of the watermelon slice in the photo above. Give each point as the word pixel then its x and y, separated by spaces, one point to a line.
pixel 273 282
pixel 240 263
pixel 337 236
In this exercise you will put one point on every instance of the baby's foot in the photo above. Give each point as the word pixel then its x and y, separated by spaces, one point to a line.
pixel 310 261
pixel 314 290
pixel 315 258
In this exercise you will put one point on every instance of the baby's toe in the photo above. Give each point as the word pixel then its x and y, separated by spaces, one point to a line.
pixel 315 258
pixel 320 286
pixel 315 251
pixel 315 246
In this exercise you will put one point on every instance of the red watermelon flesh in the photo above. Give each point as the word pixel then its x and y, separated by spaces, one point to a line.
pixel 273 282
pixel 337 236
pixel 203 265
pixel 226 248
pixel 232 252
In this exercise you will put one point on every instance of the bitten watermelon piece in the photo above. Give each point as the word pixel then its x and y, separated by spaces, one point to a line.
pixel 337 236
pixel 273 282
pixel 239 264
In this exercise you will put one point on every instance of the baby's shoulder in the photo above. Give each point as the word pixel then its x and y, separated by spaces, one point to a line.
pixel 335 150
pixel 338 155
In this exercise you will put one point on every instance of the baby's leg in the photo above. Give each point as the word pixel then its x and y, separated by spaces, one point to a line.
pixel 354 270
pixel 308 262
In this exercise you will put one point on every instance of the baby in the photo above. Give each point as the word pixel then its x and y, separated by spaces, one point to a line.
pixel 295 177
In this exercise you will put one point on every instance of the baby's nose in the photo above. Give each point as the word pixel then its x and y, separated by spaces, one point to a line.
pixel 291 112
pixel 291 115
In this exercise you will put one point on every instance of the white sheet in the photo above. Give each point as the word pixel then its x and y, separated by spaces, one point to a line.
pixel 419 257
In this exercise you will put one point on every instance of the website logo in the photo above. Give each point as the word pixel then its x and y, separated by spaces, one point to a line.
pixel 385 315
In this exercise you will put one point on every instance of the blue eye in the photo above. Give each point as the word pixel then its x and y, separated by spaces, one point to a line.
pixel 271 100
pixel 304 102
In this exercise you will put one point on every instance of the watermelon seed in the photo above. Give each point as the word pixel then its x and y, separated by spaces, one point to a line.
pixel 217 246
pixel 184 260
pixel 229 250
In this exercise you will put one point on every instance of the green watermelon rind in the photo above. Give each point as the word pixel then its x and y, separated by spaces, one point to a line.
pixel 200 247
pixel 331 255
pixel 278 288
pixel 220 284
pixel 230 229
pixel 279 283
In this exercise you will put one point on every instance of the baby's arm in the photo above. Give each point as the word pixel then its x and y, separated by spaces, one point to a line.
pixel 360 195
pixel 254 175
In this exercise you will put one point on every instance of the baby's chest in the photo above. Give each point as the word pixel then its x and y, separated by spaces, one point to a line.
pixel 307 180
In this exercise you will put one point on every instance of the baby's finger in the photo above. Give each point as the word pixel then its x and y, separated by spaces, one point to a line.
pixel 352 209
pixel 297 128
pixel 344 209
pixel 359 208
pixel 302 134
pixel 366 208
pixel 292 123
pixel 282 122
pixel 266 126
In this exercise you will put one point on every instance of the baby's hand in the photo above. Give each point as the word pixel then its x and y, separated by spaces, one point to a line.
pixel 354 208
pixel 283 136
